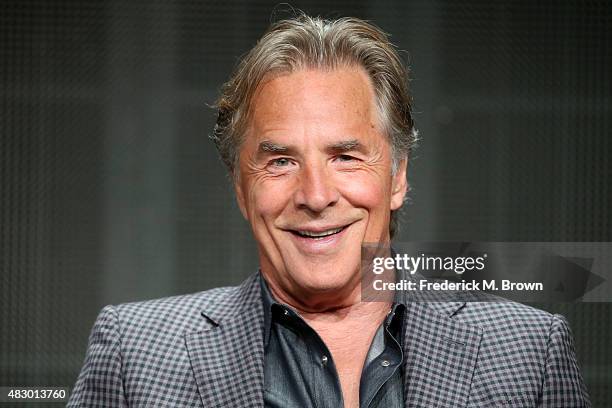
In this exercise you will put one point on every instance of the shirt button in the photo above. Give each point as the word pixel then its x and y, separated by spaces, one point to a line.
pixel 324 361
pixel 385 363
pixel 286 312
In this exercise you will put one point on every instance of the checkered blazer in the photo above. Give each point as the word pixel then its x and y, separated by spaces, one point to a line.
pixel 206 350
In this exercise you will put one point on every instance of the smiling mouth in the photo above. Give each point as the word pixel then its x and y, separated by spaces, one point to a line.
pixel 318 235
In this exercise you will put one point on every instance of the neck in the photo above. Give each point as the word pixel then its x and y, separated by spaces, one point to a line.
pixel 348 332
pixel 360 313
pixel 325 316
pixel 318 301
pixel 347 328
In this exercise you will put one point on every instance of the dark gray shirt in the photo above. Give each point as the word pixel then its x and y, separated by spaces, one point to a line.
pixel 300 372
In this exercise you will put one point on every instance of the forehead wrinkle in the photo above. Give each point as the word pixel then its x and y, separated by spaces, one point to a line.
pixel 272 115
pixel 304 85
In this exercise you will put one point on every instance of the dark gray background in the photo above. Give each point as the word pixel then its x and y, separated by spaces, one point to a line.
pixel 111 191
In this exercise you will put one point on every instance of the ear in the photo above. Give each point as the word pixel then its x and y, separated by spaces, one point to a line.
pixel 240 197
pixel 399 185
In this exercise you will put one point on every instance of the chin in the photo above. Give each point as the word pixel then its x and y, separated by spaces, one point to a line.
pixel 327 279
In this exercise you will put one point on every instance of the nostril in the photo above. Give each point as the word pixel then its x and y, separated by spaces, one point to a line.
pixel 316 190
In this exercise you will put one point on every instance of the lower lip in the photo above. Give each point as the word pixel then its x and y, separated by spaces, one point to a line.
pixel 319 245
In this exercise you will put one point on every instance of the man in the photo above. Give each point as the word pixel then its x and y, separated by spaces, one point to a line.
pixel 315 127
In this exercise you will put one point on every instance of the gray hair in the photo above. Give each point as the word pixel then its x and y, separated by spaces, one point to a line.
pixel 306 42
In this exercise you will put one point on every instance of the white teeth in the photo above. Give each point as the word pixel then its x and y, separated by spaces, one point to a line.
pixel 320 234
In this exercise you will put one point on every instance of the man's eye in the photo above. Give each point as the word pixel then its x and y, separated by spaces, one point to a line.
pixel 345 158
pixel 281 162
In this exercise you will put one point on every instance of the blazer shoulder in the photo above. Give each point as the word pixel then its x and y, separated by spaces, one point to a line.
pixel 500 312
pixel 508 321
pixel 172 315
pixel 526 343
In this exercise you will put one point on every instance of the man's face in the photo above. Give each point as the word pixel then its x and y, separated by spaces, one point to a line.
pixel 315 182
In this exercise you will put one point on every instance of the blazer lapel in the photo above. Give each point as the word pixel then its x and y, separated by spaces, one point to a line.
pixel 227 357
pixel 440 356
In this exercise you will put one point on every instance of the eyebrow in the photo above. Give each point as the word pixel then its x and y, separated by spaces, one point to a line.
pixel 270 147
pixel 267 147
pixel 345 146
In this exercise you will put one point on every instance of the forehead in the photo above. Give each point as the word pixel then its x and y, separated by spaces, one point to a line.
pixel 314 101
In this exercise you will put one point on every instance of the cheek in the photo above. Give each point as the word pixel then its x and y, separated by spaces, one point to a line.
pixel 367 191
pixel 268 198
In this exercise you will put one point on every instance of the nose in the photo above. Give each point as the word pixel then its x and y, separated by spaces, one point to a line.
pixel 316 190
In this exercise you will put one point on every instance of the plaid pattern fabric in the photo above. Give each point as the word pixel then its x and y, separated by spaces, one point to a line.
pixel 206 349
